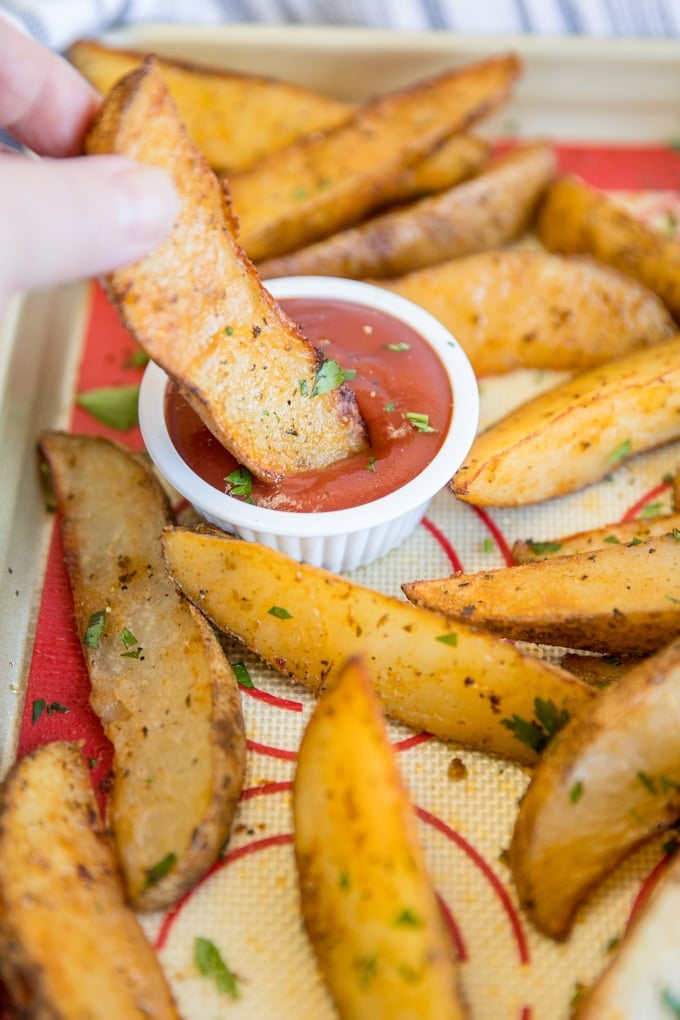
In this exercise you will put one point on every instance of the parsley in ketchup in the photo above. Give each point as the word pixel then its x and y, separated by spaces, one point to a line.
pixel 403 393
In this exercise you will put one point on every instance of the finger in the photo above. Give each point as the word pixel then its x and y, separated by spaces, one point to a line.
pixel 63 220
pixel 44 102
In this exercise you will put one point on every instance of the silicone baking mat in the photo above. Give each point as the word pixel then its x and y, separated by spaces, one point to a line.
pixel 465 801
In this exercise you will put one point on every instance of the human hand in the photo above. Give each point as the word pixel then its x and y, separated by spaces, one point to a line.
pixel 65 216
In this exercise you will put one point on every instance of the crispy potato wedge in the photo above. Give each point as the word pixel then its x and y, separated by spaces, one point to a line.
pixel 161 685
pixel 642 978
pixel 609 781
pixel 576 217
pixel 485 212
pixel 619 600
pixel 529 309
pixel 598 420
pixel 621 533
pixel 454 682
pixel 197 307
pixel 234 118
pixel 325 182
pixel 365 892
pixel 456 159
pixel 69 944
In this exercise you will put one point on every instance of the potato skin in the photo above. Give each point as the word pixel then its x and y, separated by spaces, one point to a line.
pixel 454 681
pixel 609 781
pixel 520 308
pixel 598 420
pixel 618 600
pixel 69 945
pixel 171 707
pixel 332 180
pixel 364 889
pixel 578 218
pixel 486 212
pixel 220 107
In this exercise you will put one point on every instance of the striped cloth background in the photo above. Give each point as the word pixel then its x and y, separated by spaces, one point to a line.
pixel 59 22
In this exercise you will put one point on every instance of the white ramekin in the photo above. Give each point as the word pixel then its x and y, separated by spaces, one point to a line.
pixel 339 540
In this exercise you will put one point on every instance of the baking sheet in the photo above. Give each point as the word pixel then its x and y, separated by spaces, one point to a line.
pixel 582 92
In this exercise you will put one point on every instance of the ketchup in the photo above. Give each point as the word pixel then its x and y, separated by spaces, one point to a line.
pixel 403 393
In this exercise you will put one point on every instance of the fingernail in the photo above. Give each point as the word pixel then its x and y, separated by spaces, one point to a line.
pixel 147 203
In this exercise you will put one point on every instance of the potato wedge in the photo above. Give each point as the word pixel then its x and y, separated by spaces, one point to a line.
pixel 161 685
pixel 454 682
pixel 456 159
pixel 368 903
pixel 485 212
pixel 642 978
pixel 576 217
pixel 69 945
pixel 198 309
pixel 620 600
pixel 610 781
pixel 234 118
pixel 597 420
pixel 621 533
pixel 528 309
pixel 334 179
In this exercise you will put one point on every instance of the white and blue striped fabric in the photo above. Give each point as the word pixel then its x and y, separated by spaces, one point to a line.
pixel 58 22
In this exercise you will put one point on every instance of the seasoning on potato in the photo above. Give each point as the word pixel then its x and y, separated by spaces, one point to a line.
pixel 367 900
pixel 161 684
pixel 70 946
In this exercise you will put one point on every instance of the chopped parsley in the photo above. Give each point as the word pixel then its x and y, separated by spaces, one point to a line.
pixel 536 733
pixel 543 548
pixel 488 545
pixel 115 406
pixel 95 628
pixel 576 792
pixel 651 510
pixel 647 781
pixel 242 675
pixel 330 376
pixel 398 347
pixel 420 422
pixel 622 450
pixel 391 406
pixel 132 645
pixel 407 918
pixel 671 1001
pixel 280 613
pixel 612 540
pixel 210 964
pixel 229 330
pixel 40 706
pixel 158 871
pixel 450 638
pixel 240 482
pixel 370 466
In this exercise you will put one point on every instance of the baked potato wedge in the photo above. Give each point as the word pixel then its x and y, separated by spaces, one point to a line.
pixel 333 179
pixel 641 979
pixel 610 781
pixel 456 159
pixel 619 600
pixel 368 903
pixel 69 944
pixel 576 217
pixel 234 118
pixel 452 681
pixel 485 212
pixel 621 533
pixel 161 684
pixel 198 308
pixel 521 308
pixel 597 420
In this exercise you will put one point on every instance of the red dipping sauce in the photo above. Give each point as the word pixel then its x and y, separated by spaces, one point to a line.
pixel 402 390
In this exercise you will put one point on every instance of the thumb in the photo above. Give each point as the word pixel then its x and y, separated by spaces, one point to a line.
pixel 68 219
